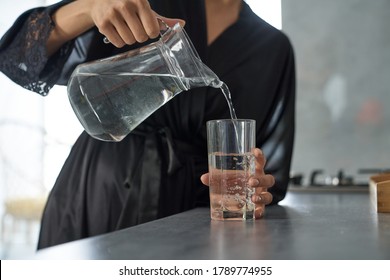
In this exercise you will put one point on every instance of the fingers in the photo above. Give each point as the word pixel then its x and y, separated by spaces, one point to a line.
pixel 263 181
pixel 149 21
pixel 261 196
pixel 260 160
pixel 260 181
pixel 259 211
pixel 120 32
pixel 260 202
pixel 127 21
pixel 261 185
pixel 264 198
pixel 134 26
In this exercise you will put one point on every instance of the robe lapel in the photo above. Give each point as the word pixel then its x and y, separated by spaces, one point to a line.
pixel 233 46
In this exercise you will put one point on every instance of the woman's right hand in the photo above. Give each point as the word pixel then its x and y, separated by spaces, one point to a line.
pixel 125 22
pixel 120 21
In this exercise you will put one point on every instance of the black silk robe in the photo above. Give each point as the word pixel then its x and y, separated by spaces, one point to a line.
pixel 154 172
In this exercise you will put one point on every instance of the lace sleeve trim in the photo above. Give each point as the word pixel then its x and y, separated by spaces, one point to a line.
pixel 24 61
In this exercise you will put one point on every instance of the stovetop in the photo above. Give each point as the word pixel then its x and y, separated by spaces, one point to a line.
pixel 319 179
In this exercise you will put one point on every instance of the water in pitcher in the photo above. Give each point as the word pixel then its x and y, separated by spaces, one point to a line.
pixel 123 100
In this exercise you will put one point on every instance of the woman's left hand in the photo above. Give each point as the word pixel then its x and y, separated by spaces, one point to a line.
pixel 260 181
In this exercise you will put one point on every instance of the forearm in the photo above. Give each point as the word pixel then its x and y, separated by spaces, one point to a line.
pixel 23 53
pixel 70 21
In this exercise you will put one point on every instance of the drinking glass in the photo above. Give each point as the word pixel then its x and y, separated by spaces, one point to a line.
pixel 231 143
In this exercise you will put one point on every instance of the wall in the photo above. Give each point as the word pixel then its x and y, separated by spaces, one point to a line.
pixel 36 134
pixel 343 87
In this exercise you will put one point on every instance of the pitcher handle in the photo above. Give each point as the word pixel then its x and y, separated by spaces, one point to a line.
pixel 163 28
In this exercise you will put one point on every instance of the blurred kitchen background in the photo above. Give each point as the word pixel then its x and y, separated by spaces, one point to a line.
pixel 343 115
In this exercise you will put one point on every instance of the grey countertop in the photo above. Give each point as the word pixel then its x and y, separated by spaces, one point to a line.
pixel 315 225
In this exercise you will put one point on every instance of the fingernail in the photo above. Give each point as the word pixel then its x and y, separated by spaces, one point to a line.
pixel 254 182
pixel 258 152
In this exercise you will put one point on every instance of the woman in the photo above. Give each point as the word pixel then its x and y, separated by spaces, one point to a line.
pixel 154 172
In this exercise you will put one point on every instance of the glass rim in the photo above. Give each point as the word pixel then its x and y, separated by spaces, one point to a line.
pixel 231 120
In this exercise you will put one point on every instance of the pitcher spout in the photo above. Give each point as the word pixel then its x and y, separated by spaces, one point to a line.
pixel 184 61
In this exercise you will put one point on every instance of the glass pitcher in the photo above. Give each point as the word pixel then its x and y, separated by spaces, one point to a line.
pixel 112 96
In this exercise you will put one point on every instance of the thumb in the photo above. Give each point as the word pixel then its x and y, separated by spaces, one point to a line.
pixel 205 179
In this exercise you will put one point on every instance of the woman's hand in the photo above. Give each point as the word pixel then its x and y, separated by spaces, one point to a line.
pixel 127 21
pixel 260 181
pixel 120 21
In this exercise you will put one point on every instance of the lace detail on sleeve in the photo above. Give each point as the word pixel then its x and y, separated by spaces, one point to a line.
pixel 26 58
